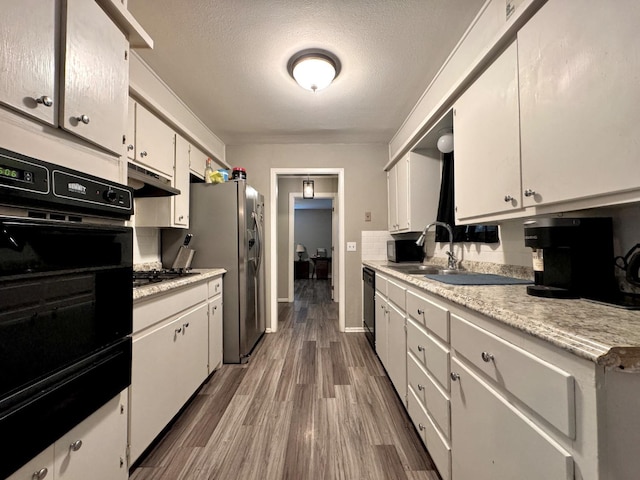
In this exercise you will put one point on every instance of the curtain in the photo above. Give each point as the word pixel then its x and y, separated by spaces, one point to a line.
pixel 446 212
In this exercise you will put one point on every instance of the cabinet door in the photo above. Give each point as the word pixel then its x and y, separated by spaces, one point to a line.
pixel 28 50
pixel 215 333
pixel 131 130
pixel 181 182
pixel 95 83
pixel 392 197
pixel 168 365
pixel 154 142
pixel 382 329
pixel 487 141
pixel 397 351
pixel 491 439
pixel 38 468
pixel 579 100
pixel 96 448
pixel 402 193
pixel 197 161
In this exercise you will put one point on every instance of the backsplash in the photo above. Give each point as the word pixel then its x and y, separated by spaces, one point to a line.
pixel 374 244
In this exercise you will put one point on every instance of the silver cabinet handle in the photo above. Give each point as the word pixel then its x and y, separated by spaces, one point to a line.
pixel 529 193
pixel 40 474
pixel 178 330
pixel 455 376
pixel 130 147
pixel 420 387
pixel 47 102
pixel 508 198
pixel 486 356
pixel 420 426
pixel 75 446
pixel 84 119
pixel 420 348
pixel 143 153
pixel 185 325
pixel 420 311
pixel 121 462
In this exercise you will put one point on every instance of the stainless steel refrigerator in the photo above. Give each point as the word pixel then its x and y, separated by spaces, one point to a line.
pixel 227 223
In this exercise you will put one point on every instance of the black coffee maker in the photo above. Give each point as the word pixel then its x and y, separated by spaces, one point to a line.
pixel 573 257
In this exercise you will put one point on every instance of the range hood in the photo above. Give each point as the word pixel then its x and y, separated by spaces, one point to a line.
pixel 149 184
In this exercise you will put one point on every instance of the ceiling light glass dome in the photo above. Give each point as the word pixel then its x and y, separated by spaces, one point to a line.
pixel 314 69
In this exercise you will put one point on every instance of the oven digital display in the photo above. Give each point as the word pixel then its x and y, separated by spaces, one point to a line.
pixel 16 174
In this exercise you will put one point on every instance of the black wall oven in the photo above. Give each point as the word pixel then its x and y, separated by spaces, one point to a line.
pixel 368 304
pixel 65 302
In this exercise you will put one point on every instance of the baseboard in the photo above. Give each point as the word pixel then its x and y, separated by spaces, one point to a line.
pixel 354 330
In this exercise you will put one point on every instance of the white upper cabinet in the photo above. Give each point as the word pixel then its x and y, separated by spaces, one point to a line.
pixel 579 75
pixel 197 162
pixel 95 76
pixel 414 189
pixel 487 141
pixel 154 142
pixel 28 50
pixel 85 91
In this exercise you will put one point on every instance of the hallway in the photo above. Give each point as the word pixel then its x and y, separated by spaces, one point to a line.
pixel 313 403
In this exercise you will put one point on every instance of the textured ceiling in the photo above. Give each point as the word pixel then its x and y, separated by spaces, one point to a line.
pixel 227 60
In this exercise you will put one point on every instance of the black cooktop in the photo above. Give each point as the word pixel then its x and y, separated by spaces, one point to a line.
pixel 147 277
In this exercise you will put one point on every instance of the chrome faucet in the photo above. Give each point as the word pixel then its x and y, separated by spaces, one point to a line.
pixel 451 262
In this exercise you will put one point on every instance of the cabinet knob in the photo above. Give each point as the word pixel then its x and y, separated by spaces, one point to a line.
pixel 420 426
pixel 420 311
pixel 84 119
pixel 180 217
pixel 185 325
pixel 40 474
pixel 486 356
pixel 455 376
pixel 529 193
pixel 420 387
pixel 508 198
pixel 143 153
pixel 121 462
pixel 420 348
pixel 47 102
pixel 129 147
pixel 75 446
pixel 178 330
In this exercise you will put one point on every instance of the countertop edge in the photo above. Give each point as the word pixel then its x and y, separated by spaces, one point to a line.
pixel 153 289
pixel 622 357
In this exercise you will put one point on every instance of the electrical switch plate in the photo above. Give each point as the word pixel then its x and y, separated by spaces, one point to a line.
pixel 367 216
pixel 351 246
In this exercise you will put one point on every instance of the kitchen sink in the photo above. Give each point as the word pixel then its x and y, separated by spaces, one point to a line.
pixel 424 269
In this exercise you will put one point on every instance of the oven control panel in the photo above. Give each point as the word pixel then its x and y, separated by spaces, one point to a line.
pixel 29 182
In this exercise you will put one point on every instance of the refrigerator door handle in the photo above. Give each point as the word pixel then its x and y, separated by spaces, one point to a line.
pixel 256 218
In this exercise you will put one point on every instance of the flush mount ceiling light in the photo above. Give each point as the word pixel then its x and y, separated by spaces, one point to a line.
pixel 445 140
pixel 314 69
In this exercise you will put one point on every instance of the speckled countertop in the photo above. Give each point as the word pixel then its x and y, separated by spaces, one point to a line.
pixel 152 289
pixel 606 335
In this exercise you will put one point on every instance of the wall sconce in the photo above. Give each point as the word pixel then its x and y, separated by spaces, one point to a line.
pixel 314 69
pixel 299 251
pixel 445 140
pixel 307 188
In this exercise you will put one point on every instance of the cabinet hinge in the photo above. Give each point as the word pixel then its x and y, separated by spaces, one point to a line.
pixel 128 454
pixel 126 55
pixel 124 139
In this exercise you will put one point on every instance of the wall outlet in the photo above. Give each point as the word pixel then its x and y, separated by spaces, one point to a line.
pixel 367 216
pixel 351 246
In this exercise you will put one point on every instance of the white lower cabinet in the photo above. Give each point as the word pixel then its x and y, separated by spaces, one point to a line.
pixel 215 324
pixel 96 449
pixel 492 439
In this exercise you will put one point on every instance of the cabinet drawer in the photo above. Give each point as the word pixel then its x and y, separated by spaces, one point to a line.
pixel 438 447
pixel 396 293
pixel 432 398
pixel 493 440
pixel 429 314
pixel 381 284
pixel 544 388
pixel 215 287
pixel 151 310
pixel 429 353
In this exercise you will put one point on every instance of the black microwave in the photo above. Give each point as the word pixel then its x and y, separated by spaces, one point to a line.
pixel 404 251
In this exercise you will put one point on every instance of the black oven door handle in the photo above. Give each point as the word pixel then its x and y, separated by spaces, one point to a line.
pixel 6 239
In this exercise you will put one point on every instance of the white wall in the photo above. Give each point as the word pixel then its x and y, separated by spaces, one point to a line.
pixel 365 191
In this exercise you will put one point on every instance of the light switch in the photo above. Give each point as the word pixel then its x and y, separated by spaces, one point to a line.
pixel 351 246
pixel 367 216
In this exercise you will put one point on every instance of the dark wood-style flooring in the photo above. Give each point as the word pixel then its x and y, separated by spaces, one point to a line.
pixel 313 403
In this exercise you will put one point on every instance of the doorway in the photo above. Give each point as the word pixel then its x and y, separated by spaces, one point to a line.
pixel 337 256
pixel 322 209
